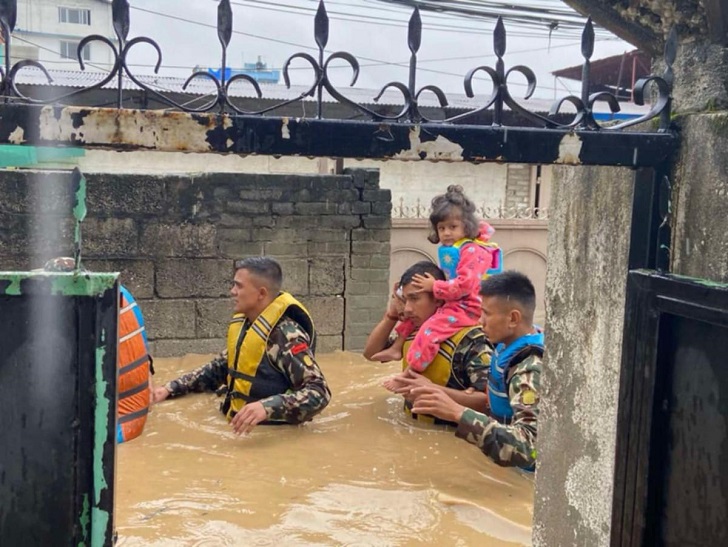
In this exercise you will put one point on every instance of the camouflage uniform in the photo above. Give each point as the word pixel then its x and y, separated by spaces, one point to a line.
pixel 513 444
pixel 308 395
pixel 471 362
pixel 470 366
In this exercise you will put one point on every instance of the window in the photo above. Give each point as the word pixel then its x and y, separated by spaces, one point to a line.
pixel 74 15
pixel 68 51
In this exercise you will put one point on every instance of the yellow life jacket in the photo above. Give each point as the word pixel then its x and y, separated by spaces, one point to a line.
pixel 251 375
pixel 439 371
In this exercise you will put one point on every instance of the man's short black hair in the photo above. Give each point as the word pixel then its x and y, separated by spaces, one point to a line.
pixel 512 286
pixel 265 268
pixel 423 267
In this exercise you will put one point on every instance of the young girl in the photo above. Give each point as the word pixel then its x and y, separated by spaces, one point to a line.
pixel 465 257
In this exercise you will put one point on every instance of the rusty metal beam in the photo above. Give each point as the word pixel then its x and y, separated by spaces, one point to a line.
pixel 185 132
pixel 607 17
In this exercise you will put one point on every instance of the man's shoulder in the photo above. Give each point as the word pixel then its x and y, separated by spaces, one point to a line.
pixel 288 329
pixel 532 364
pixel 475 335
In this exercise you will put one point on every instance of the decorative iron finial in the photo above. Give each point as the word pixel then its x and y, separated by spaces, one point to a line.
pixel 321 26
pixel 120 19
pixel 587 50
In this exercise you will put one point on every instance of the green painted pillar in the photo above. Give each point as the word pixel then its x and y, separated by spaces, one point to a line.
pixel 58 407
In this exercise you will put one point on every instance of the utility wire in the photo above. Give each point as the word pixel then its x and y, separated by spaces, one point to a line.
pixel 378 61
pixel 381 21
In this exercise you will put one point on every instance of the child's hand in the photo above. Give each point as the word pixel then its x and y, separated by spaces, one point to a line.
pixel 423 282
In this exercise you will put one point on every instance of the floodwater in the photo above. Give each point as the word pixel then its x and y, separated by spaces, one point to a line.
pixel 361 473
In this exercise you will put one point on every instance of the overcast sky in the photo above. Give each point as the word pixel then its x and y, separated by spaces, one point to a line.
pixel 275 29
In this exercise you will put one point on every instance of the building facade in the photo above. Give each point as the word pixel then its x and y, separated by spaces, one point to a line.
pixel 49 31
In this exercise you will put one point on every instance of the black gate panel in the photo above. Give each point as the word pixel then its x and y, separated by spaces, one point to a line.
pixel 671 475
pixel 57 406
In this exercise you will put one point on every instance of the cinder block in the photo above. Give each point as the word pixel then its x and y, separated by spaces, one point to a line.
pixel 227 220
pixel 337 235
pixel 340 222
pixel 260 194
pixel 382 208
pixel 329 344
pixel 248 207
pixel 363 178
pixel 358 287
pixel 178 348
pixel 358 303
pixel 315 208
pixel 327 313
pixel 369 275
pixel 380 261
pixel 264 222
pixel 377 223
pixel 213 317
pixel 285 208
pixel 184 278
pixel 328 248
pixel 112 194
pixel 136 275
pixel 369 247
pixel 110 237
pixel 384 195
pixel 275 248
pixel 36 192
pixel 168 318
pixel 354 342
pixel 364 234
pixel 295 275
pixel 326 276
pixel 279 235
pixel 236 250
pixel 360 261
pixel 178 240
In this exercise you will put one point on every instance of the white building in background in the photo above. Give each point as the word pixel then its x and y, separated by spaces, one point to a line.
pixel 49 31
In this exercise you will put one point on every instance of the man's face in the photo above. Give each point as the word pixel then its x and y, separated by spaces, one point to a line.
pixel 246 292
pixel 497 319
pixel 418 305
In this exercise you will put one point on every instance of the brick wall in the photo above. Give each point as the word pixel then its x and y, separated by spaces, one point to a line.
pixel 518 186
pixel 174 240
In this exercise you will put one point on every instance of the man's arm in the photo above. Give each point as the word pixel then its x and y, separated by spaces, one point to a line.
pixel 379 338
pixel 513 444
pixel 507 445
pixel 208 377
pixel 289 351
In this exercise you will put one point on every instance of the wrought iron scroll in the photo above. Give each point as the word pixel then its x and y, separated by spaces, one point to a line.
pixel 411 111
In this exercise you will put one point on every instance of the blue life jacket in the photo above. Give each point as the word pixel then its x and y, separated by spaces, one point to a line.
pixel 504 357
pixel 449 257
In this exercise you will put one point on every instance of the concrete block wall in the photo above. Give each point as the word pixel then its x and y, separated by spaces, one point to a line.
pixel 174 240
pixel 518 186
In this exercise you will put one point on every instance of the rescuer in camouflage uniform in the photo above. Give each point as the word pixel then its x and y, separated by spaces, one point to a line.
pixel 297 391
pixel 506 431
pixel 470 352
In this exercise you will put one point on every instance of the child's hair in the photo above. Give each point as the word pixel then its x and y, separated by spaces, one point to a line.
pixel 453 203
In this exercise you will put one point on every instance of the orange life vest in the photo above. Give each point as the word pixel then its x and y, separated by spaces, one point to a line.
pixel 133 362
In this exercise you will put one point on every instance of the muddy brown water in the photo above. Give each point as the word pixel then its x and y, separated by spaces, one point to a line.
pixel 361 473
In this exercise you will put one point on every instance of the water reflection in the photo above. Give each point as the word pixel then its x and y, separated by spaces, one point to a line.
pixel 360 474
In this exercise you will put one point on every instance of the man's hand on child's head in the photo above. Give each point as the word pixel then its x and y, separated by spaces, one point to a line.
pixel 423 282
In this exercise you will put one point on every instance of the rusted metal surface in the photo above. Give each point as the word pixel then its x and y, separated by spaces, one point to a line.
pixel 186 132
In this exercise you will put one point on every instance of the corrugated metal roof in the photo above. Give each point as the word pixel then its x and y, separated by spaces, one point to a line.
pixel 277 92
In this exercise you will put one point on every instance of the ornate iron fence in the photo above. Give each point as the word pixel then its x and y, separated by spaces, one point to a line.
pixel 420 210
pixel 411 92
